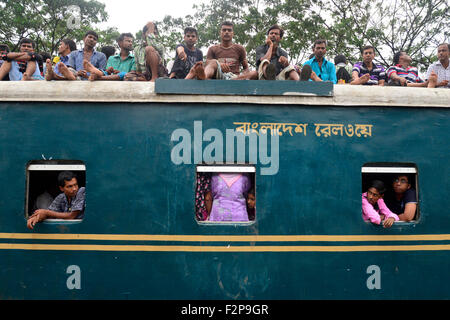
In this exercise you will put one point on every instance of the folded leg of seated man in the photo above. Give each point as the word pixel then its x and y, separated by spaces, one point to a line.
pixel 4 69
pixel 31 68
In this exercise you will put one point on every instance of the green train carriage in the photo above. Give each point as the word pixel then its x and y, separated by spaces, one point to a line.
pixel 140 239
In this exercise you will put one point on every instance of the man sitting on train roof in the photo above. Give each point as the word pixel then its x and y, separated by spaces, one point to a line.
pixel 186 54
pixel 118 65
pixel 224 60
pixel 272 61
pixel 65 48
pixel 402 73
pixel 68 205
pixel 21 65
pixel 148 56
pixel 323 70
pixel 438 73
pixel 75 66
pixel 403 200
pixel 366 72
pixel 4 49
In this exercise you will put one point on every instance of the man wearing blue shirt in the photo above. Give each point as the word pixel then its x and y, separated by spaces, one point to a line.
pixel 65 48
pixel 322 68
pixel 76 58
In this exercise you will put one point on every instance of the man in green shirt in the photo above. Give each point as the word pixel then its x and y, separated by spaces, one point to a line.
pixel 118 65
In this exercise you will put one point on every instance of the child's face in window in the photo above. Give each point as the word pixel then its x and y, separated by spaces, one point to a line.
pixel 373 195
pixel 251 201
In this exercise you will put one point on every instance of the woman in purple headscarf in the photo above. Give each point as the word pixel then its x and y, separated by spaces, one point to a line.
pixel 228 192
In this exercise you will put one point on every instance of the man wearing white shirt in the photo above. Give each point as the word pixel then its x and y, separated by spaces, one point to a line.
pixel 439 72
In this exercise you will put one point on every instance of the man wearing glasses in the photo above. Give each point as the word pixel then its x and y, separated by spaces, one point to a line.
pixel 403 201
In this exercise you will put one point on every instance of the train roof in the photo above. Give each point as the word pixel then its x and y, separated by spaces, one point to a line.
pixel 139 92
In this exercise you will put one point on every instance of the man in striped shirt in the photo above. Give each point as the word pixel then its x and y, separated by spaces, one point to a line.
pixel 401 73
pixel 366 72
pixel 439 72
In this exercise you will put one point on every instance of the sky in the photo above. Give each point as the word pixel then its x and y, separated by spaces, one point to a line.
pixel 131 15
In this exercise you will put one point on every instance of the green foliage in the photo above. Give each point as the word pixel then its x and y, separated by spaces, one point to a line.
pixel 46 21
pixel 415 26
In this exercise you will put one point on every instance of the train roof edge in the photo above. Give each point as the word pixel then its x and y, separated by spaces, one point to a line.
pixel 138 92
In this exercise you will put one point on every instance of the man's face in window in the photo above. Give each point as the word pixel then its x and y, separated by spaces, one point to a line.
pixel 70 188
pixel 401 184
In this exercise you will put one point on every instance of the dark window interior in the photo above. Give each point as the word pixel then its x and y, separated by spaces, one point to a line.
pixel 41 181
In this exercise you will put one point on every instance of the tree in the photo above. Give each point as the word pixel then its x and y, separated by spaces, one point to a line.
pixel 47 22
pixel 415 26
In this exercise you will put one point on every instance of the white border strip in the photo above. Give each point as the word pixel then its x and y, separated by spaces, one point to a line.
pixel 225 169
pixel 388 170
pixel 56 167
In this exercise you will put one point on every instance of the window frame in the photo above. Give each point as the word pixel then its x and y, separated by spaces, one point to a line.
pixel 394 168
pixel 226 168
pixel 76 166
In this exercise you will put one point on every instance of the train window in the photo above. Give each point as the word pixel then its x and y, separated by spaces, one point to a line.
pixel 401 189
pixel 225 194
pixel 42 188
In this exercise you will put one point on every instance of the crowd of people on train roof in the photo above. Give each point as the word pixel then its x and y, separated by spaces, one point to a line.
pixel 226 60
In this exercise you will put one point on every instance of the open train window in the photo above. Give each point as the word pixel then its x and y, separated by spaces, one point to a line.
pixel 401 185
pixel 225 194
pixel 42 186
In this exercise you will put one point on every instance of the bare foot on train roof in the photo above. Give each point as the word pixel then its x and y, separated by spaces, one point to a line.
pixel 49 71
pixel 25 77
pixel 87 65
pixel 94 76
pixel 62 68
pixel 199 71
